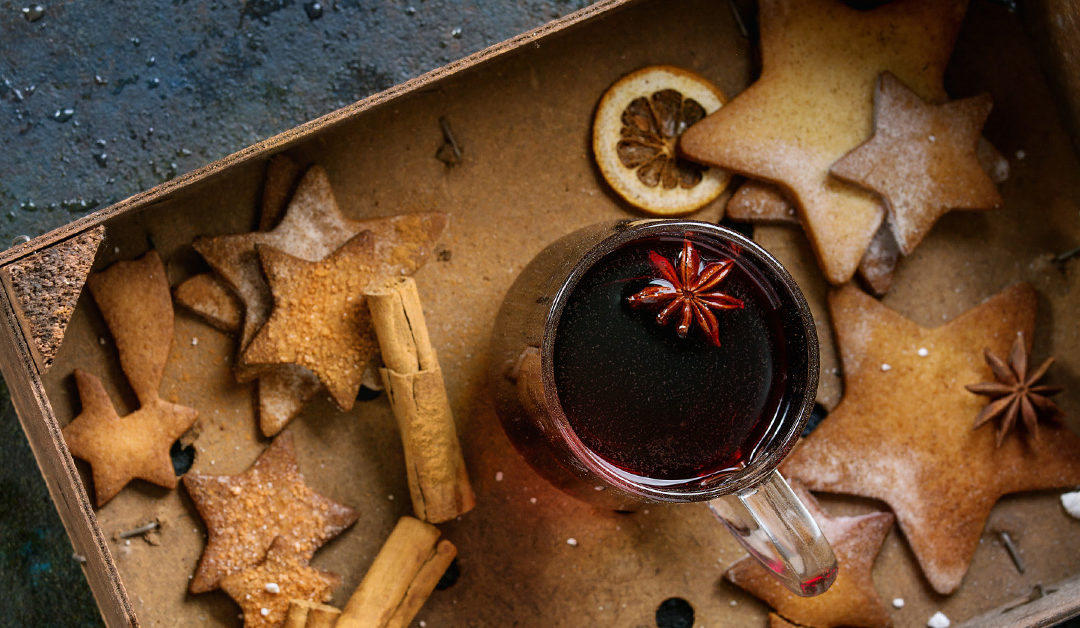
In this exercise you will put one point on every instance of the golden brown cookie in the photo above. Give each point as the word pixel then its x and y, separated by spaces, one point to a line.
pixel 245 513
pixel 852 599
pixel 312 228
pixel 134 301
pixel 265 590
pixel 320 320
pixel 903 431
pixel 212 300
pixel 122 449
pixel 921 159
pixel 812 104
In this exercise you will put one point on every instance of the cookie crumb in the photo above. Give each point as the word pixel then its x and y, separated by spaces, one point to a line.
pixel 498 476
pixel 923 352
pixel 886 367
pixel 939 620
pixel 572 542
pixel 898 602
pixel 1071 502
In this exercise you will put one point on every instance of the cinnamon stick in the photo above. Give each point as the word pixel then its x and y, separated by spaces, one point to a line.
pixel 438 482
pixel 307 614
pixel 399 581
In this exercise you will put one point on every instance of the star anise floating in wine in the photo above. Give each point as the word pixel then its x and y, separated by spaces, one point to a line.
pixel 1016 393
pixel 688 293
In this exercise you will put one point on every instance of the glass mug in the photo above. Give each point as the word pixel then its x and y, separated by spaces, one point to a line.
pixel 619 391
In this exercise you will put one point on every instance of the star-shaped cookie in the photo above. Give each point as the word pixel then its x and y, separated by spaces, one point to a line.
pixel 903 431
pixel 852 599
pixel 813 103
pixel 313 227
pixel 265 590
pixel 122 449
pixel 320 320
pixel 921 159
pixel 245 513
pixel 134 301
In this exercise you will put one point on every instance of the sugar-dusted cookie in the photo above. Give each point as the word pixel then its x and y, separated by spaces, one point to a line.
pixel 265 591
pixel 921 159
pixel 320 320
pixel 312 228
pixel 245 513
pixel 813 103
pixel 852 599
pixel 903 432
pixel 134 301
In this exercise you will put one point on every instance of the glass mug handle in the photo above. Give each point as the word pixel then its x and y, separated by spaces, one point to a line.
pixel 771 523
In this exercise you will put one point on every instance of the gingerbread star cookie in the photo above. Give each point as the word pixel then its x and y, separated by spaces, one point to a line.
pixel 320 320
pixel 852 599
pixel 265 590
pixel 813 103
pixel 921 159
pixel 311 228
pixel 134 300
pixel 245 513
pixel 903 432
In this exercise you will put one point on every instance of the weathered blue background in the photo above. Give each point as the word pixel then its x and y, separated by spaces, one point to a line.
pixel 101 99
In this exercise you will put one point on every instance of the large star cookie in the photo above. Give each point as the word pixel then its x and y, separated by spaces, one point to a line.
pixel 245 513
pixel 903 433
pixel 320 320
pixel 813 103
pixel 265 591
pixel 134 301
pixel 852 599
pixel 921 159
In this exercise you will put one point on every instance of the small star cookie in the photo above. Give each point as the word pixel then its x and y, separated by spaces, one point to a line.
pixel 264 591
pixel 244 514
pixel 134 301
pixel 320 320
pixel 921 159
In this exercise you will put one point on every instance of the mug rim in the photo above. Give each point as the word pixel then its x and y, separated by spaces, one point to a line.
pixel 759 468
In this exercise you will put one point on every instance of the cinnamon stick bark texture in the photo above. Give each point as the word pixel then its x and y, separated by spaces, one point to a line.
pixel 401 578
pixel 438 482
pixel 307 614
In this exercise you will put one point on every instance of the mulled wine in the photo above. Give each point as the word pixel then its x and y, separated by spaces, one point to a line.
pixel 666 360
pixel 671 359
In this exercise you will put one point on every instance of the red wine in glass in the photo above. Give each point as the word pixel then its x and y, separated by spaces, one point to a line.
pixel 664 382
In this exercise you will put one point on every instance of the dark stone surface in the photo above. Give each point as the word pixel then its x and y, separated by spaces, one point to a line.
pixel 101 100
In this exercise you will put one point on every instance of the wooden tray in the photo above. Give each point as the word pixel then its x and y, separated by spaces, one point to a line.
pixel 522 112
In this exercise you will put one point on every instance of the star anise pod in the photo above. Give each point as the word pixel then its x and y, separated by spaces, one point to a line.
pixel 1016 393
pixel 689 292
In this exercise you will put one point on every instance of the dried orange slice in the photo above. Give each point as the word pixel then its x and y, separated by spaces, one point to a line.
pixel 638 123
